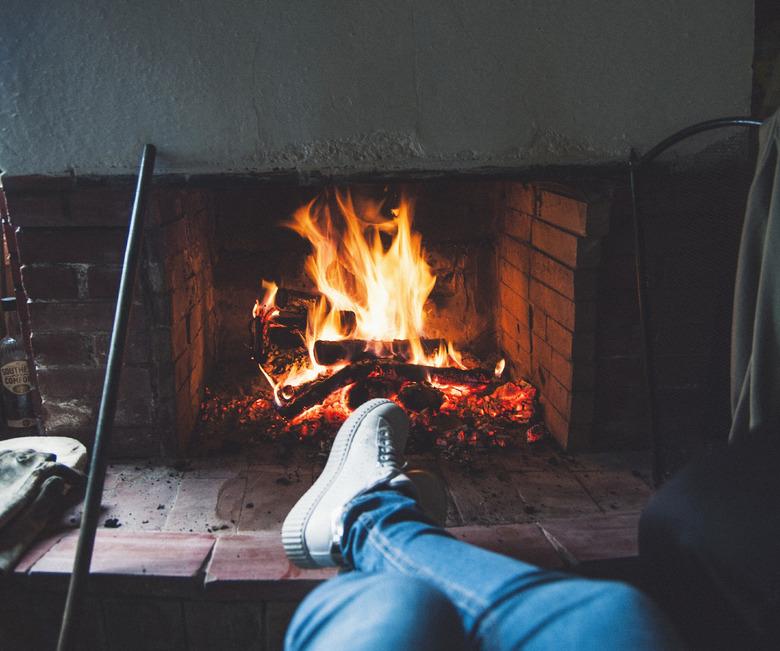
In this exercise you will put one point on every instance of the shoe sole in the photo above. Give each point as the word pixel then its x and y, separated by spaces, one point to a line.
pixel 295 523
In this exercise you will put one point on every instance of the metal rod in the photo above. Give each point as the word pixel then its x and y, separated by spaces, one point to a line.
pixel 640 264
pixel 692 130
pixel 646 352
pixel 97 473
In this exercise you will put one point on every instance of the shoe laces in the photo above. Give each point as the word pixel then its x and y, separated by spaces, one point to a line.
pixel 388 454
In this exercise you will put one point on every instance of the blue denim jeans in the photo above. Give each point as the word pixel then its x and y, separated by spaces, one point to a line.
pixel 415 587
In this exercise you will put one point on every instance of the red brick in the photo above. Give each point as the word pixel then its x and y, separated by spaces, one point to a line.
pixel 559 396
pixel 555 422
pixel 519 368
pixel 514 303
pixel 550 302
pixel 516 224
pixel 579 347
pixel 179 339
pixel 50 281
pixel 515 253
pixel 574 215
pixel 65 317
pixel 562 369
pixel 541 353
pixel 576 252
pixel 50 245
pixel 513 278
pixel 101 206
pixel 73 382
pixel 576 284
pixel 137 347
pixel 146 554
pixel 183 368
pixel 564 212
pixel 30 184
pixel 539 324
pixel 62 348
pixel 135 403
pixel 516 346
pixel 73 417
pixel 521 197
pixel 515 330
pixel 103 282
pixel 92 316
pixel 185 416
pixel 46 209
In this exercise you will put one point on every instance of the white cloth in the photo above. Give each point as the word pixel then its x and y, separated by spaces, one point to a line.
pixel 755 346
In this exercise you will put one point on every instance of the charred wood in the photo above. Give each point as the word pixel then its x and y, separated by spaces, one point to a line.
pixel 334 352
pixel 295 400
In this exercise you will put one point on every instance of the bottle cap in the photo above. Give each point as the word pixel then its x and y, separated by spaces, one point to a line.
pixel 8 303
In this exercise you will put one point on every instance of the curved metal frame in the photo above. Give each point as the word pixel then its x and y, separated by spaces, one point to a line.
pixel 640 254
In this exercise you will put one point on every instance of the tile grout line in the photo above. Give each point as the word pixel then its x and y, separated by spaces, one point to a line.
pixel 588 493
pixel 241 504
pixel 164 526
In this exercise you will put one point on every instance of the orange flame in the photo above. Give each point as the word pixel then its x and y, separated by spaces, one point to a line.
pixel 370 264
pixel 269 299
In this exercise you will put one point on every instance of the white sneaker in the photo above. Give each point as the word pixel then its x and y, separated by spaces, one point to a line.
pixel 368 449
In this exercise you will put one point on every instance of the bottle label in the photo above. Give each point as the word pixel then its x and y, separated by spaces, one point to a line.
pixel 16 377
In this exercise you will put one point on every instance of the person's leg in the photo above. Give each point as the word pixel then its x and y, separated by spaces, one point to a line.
pixel 503 603
pixel 358 512
pixel 375 612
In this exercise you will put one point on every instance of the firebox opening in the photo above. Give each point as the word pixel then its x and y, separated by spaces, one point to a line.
pixel 456 298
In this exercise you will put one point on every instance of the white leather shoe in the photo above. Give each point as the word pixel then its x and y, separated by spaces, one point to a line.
pixel 367 450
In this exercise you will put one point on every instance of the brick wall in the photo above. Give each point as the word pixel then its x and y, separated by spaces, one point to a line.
pixel 549 248
pixel 71 237
pixel 186 237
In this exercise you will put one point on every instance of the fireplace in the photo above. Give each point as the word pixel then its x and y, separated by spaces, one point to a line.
pixel 515 264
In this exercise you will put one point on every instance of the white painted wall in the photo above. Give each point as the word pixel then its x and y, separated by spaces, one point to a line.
pixel 255 85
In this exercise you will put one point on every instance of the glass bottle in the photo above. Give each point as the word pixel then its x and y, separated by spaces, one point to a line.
pixel 15 376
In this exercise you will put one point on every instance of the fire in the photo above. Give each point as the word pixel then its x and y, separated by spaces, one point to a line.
pixel 372 265
pixel 269 300
pixel 363 336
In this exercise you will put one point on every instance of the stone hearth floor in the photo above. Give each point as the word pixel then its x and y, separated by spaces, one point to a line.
pixel 534 504
pixel 196 554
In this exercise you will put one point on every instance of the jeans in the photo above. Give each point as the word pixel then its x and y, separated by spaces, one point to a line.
pixel 416 587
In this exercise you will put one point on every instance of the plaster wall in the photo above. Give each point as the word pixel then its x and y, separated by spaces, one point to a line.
pixel 246 86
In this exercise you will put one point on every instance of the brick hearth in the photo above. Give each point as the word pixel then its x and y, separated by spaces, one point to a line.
pixel 197 562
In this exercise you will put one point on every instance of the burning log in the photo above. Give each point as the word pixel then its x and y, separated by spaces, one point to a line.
pixel 346 350
pixel 295 400
pixel 285 328
pixel 285 297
